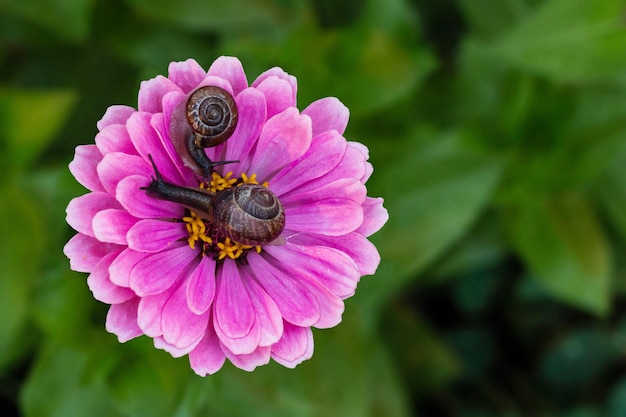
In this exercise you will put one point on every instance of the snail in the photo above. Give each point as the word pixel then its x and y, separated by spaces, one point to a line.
pixel 249 214
pixel 208 118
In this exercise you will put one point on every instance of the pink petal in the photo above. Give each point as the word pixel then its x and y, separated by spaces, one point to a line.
pixel 119 271
pixel 152 235
pixel 112 225
pixel 252 115
pixel 80 210
pixel 249 362
pixel 369 170
pixel 116 166
pixel 122 320
pixel 186 74
pixel 331 268
pixel 102 287
pixel 332 217
pixel 234 315
pixel 151 93
pixel 346 188
pixel 207 358
pixel 161 343
pixel 181 327
pixel 278 95
pixel 325 152
pixel 201 286
pixel 159 271
pixel 84 252
pixel 149 312
pixel 141 205
pixel 230 69
pixel 115 115
pixel 148 143
pixel 278 72
pixel 354 245
pixel 295 301
pixel 294 347
pixel 374 216
pixel 284 138
pixel 83 167
pixel 115 138
pixel 328 114
pixel 267 312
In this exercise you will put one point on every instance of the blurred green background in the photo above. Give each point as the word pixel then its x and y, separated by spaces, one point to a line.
pixel 497 129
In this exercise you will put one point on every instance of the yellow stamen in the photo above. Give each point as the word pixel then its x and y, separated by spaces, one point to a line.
pixel 196 228
pixel 219 183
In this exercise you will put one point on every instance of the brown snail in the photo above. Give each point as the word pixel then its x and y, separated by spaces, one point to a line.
pixel 208 118
pixel 249 214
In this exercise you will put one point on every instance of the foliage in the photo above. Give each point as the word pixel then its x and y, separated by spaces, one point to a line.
pixel 497 130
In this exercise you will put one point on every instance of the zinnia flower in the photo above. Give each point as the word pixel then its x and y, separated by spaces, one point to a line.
pixel 169 273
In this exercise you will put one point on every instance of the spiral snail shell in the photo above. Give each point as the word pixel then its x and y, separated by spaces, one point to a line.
pixel 249 214
pixel 208 118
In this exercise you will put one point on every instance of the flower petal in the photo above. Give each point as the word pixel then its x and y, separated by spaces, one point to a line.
pixel 83 167
pixel 296 303
pixel 101 286
pixel 280 73
pixel 133 198
pixel 161 343
pixel 278 94
pixel 201 286
pixel 328 114
pixel 122 320
pixel 234 315
pixel 116 166
pixel 294 347
pixel 116 114
pixel 80 210
pixel 119 271
pixel 333 216
pixel 151 93
pixel 375 216
pixel 325 152
pixel 249 362
pixel 84 252
pixel 150 310
pixel 151 235
pixel 158 271
pixel 115 138
pixel 230 69
pixel 181 327
pixel 346 188
pixel 284 138
pixel 267 312
pixel 111 225
pixel 207 358
pixel 186 74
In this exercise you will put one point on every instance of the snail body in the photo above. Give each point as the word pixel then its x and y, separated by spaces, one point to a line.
pixel 207 118
pixel 249 214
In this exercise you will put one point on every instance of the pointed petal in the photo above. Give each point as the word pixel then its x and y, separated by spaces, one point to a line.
pixel 284 138
pixel 101 286
pixel 374 216
pixel 157 272
pixel 83 167
pixel 294 347
pixel 122 320
pixel 328 114
pixel 207 358
pixel 332 217
pixel 230 69
pixel 201 286
pixel 84 252
pixel 181 327
pixel 152 235
pixel 186 74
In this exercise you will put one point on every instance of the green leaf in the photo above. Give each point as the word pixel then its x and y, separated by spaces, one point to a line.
pixel 68 19
pixel 29 121
pixel 435 189
pixel 490 18
pixel 568 41
pixel 562 242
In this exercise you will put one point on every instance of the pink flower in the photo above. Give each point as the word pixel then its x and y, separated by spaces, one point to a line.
pixel 163 269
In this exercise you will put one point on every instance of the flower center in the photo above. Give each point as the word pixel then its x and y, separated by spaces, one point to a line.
pixel 211 241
